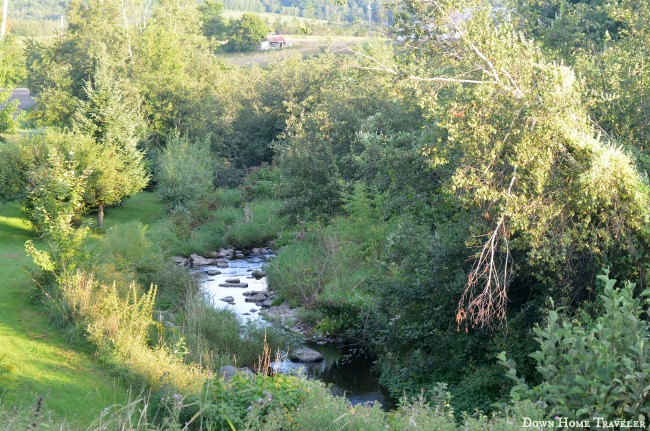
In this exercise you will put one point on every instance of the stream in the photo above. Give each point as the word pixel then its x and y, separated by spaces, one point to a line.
pixel 343 373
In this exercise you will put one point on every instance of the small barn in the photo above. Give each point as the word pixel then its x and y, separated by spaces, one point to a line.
pixel 276 41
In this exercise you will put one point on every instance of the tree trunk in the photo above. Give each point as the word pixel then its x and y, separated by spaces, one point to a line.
pixel 3 30
pixel 100 216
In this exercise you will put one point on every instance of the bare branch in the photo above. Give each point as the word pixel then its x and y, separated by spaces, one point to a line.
pixel 383 68
pixel 492 268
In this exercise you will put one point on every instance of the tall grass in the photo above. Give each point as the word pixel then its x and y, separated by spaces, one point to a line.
pixel 117 319
pixel 259 225
pixel 215 337
pixel 299 273
pixel 228 198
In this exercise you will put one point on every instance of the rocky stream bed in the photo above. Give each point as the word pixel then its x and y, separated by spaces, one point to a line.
pixel 236 280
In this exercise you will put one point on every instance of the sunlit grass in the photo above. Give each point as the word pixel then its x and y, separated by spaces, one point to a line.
pixel 40 361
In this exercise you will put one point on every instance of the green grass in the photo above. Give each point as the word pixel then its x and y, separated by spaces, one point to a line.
pixel 144 207
pixel 41 362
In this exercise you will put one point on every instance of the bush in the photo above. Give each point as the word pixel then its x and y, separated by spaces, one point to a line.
pixel 16 160
pixel 262 182
pixel 599 368
pixel 184 174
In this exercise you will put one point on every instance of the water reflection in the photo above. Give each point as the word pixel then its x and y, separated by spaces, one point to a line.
pixel 348 375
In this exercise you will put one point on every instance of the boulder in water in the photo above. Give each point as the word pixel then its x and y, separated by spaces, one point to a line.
pixel 305 355
pixel 257 274
pixel 241 285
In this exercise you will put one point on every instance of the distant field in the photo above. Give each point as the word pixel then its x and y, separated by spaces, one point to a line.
pixel 272 17
pixel 302 45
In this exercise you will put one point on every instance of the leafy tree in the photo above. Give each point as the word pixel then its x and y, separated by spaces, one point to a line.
pixel 246 33
pixel 12 71
pixel 55 197
pixel 517 200
pixel 213 23
pixel 109 117
pixel 332 105
pixel 184 173
pixel 12 62
pixel 496 122
pixel 607 42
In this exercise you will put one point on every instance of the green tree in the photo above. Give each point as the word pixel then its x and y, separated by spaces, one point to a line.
pixel 499 104
pixel 213 23
pixel 524 201
pixel 184 173
pixel 12 71
pixel 110 117
pixel 246 33
pixel 54 199
pixel 607 42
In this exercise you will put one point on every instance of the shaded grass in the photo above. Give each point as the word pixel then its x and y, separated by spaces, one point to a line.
pixel 144 207
pixel 40 362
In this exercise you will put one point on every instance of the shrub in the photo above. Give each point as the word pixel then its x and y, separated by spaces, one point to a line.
pixel 227 175
pixel 262 182
pixel 54 200
pixel 598 368
pixel 16 160
pixel 184 174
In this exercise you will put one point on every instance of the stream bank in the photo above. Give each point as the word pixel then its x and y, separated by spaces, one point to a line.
pixel 236 280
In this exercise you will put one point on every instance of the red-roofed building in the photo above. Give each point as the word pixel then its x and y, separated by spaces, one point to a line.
pixel 276 41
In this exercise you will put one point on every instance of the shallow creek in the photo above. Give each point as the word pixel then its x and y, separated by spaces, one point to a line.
pixel 346 375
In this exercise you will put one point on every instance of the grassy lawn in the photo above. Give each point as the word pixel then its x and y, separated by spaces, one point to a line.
pixel 42 363
pixel 143 207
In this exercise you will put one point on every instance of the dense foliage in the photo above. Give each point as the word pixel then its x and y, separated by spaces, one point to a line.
pixel 428 197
